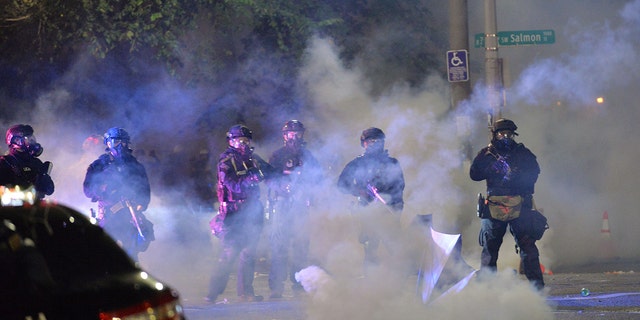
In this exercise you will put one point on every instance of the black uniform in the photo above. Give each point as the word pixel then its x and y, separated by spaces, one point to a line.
pixel 24 170
pixel 241 215
pixel 114 183
pixel 368 176
pixel 21 167
pixel 509 170
pixel 290 196
pixel 377 170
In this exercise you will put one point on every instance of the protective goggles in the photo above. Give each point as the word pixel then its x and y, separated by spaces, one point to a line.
pixel 114 142
pixel 239 141
pixel 293 135
pixel 505 134
pixel 24 140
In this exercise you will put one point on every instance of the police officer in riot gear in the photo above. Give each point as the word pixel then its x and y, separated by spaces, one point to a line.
pixel 374 177
pixel 119 183
pixel 510 169
pixel 290 196
pixel 21 166
pixel 240 219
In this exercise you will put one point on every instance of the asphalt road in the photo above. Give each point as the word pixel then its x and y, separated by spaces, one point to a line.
pixel 614 293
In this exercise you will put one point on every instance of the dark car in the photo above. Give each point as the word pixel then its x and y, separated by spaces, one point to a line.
pixel 56 264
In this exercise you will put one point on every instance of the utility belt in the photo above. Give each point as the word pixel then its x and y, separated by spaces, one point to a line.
pixel 503 207
pixel 527 198
pixel 102 210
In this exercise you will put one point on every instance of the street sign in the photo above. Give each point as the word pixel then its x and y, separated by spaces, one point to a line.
pixel 457 66
pixel 526 37
pixel 478 41
pixel 519 38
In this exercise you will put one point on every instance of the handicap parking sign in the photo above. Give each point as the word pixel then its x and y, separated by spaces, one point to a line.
pixel 457 66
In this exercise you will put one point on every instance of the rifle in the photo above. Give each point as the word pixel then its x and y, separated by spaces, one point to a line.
pixel 134 217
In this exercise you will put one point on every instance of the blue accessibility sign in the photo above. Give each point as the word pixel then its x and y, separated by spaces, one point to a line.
pixel 457 66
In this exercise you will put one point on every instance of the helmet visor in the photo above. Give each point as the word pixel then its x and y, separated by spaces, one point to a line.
pixel 293 135
pixel 24 141
pixel 373 141
pixel 114 142
pixel 239 142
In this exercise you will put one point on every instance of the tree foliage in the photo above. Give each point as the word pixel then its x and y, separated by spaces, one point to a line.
pixel 194 38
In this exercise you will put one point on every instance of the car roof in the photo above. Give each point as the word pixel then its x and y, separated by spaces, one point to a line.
pixel 67 240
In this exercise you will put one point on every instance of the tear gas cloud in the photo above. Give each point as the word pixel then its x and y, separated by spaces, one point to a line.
pixel 582 147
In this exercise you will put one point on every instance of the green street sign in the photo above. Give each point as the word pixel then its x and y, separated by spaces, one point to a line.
pixel 519 38
pixel 478 41
pixel 526 37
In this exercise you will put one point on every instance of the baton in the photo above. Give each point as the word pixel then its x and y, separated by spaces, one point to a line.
pixel 375 193
pixel 133 216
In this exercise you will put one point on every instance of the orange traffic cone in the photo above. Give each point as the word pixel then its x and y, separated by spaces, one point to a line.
pixel 607 249
pixel 545 270
pixel 605 231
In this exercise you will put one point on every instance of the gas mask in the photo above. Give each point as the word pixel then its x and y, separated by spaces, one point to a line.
pixel 118 147
pixel 373 146
pixel 503 140
pixel 293 139
pixel 35 150
pixel 242 144
pixel 27 144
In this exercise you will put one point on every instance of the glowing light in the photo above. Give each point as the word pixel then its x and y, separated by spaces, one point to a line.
pixel 600 100
pixel 144 275
pixel 16 196
pixel 159 286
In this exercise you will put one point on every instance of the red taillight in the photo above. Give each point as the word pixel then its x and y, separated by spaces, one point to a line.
pixel 165 307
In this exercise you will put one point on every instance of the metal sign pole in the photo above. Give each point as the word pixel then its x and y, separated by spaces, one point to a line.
pixel 493 72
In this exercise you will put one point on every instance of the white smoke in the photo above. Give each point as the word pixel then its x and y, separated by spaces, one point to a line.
pixel 585 149
pixel 421 135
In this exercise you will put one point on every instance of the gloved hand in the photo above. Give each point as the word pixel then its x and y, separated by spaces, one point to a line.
pixel 500 166
pixel 44 184
pixel 255 174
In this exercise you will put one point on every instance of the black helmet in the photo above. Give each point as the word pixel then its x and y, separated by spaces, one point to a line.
pixel 293 125
pixel 27 143
pixel 293 134
pixel 371 133
pixel 116 133
pixel 504 124
pixel 18 130
pixel 239 130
